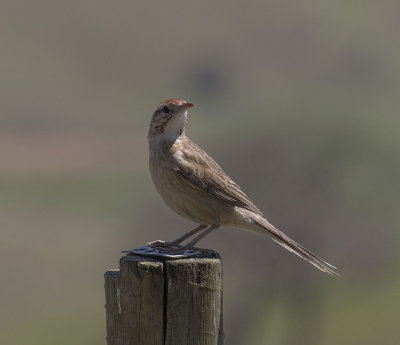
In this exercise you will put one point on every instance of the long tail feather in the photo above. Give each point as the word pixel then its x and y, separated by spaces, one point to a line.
pixel 286 242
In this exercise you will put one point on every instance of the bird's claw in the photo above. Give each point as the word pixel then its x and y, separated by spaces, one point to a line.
pixel 163 244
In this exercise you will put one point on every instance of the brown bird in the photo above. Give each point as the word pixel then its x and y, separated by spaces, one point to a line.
pixel 194 185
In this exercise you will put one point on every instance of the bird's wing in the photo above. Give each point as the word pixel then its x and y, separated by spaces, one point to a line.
pixel 201 172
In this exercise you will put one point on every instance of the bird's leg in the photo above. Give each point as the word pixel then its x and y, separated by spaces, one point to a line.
pixel 202 235
pixel 189 234
pixel 175 243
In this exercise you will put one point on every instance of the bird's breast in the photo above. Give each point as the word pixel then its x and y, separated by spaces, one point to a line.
pixel 185 200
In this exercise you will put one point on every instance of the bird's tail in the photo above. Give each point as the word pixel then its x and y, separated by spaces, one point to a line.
pixel 260 224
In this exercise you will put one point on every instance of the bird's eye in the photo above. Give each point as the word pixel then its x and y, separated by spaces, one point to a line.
pixel 165 110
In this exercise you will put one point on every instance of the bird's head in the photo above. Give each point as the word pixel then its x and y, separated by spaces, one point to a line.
pixel 169 119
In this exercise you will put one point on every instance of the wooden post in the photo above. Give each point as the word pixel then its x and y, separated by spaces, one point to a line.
pixel 163 301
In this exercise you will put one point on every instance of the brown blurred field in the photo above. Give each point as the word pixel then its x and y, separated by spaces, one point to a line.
pixel 299 103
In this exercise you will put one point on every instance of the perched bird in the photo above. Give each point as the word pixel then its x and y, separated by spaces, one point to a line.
pixel 194 185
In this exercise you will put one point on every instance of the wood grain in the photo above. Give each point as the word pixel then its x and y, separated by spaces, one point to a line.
pixel 164 302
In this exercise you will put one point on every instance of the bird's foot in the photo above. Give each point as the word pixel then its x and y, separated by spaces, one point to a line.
pixel 164 244
pixel 172 250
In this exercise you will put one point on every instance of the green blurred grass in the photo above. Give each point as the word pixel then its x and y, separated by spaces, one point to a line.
pixel 88 196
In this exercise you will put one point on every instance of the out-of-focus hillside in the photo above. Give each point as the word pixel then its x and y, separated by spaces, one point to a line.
pixel 298 102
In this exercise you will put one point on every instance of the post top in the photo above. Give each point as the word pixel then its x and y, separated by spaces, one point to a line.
pixel 160 250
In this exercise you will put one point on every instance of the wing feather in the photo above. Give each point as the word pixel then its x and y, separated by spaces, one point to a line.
pixel 201 172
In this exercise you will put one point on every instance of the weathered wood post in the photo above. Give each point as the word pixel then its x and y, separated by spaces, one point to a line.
pixel 165 301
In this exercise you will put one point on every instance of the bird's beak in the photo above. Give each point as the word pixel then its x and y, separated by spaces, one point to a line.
pixel 187 105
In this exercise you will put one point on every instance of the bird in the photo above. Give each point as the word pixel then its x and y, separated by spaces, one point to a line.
pixel 193 185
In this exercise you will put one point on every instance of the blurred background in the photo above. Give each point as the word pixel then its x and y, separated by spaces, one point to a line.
pixel 298 102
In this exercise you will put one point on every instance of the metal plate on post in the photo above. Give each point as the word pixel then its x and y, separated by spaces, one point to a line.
pixel 161 249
